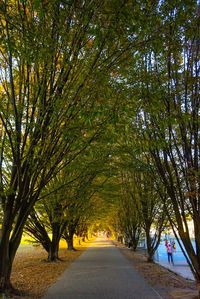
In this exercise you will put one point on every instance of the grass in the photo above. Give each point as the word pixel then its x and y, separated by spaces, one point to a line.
pixel 27 240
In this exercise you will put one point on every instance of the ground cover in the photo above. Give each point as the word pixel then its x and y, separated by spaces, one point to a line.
pixel 32 274
pixel 168 284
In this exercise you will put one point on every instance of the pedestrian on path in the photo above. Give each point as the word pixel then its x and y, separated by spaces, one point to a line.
pixel 170 254
pixel 173 246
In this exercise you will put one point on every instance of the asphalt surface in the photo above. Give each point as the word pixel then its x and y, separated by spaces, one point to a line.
pixel 101 272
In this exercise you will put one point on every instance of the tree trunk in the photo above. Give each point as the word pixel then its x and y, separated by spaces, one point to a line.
pixel 150 251
pixel 198 288
pixel 134 244
pixel 8 249
pixel 54 245
pixel 150 258
pixel 5 270
pixel 135 240
pixel 53 252
pixel 70 242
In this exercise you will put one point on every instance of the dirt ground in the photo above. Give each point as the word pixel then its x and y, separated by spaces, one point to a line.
pixel 32 274
pixel 168 284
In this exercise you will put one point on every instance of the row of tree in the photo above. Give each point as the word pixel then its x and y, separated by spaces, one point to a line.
pixel 56 99
pixel 140 211
pixel 159 133
pixel 68 204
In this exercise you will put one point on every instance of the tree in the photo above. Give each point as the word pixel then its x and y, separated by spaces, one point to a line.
pixel 67 202
pixel 151 210
pixel 53 57
pixel 128 218
pixel 168 116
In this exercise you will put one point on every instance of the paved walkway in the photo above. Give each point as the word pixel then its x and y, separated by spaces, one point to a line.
pixel 101 272
pixel 180 269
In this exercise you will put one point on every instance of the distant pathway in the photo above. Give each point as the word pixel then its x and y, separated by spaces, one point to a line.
pixel 101 272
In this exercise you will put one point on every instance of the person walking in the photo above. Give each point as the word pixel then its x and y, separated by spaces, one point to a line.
pixel 173 246
pixel 170 254
pixel 166 243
